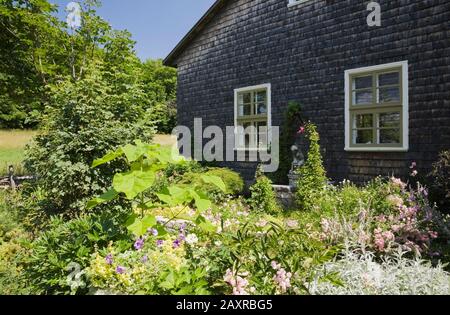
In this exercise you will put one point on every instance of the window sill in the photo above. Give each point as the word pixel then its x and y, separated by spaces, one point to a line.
pixel 376 149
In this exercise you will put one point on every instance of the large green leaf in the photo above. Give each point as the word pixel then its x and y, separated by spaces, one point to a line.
pixel 202 201
pixel 108 196
pixel 140 227
pixel 215 180
pixel 133 183
pixel 111 156
pixel 174 196
pixel 132 152
pixel 205 225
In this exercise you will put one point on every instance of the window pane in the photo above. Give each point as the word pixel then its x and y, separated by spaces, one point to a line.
pixel 391 94
pixel 245 110
pixel 389 120
pixel 363 121
pixel 389 136
pixel 363 136
pixel 245 98
pixel 260 97
pixel 362 97
pixel 392 78
pixel 261 109
pixel 362 82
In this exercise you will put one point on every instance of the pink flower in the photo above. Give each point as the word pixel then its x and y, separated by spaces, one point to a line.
pixel 283 280
pixel 301 130
pixel 238 283
pixel 433 234
pixel 413 165
pixel 398 182
pixel 275 265
pixel 414 173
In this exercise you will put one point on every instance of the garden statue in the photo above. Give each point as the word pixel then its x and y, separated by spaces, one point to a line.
pixel 298 161
pixel 298 158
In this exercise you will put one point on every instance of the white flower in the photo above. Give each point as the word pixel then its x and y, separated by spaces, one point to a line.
pixel 191 239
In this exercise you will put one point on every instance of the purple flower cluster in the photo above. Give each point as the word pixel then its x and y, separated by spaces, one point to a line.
pixel 109 259
pixel 139 244
pixel 120 270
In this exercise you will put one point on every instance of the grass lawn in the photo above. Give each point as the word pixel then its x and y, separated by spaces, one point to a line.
pixel 12 145
pixel 165 140
pixel 13 142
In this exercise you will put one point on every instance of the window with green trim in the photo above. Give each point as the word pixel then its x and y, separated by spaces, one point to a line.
pixel 377 107
pixel 252 117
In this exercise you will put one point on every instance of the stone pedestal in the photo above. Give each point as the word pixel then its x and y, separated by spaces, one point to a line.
pixel 293 179
pixel 284 196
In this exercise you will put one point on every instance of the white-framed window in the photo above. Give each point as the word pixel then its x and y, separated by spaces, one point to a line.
pixel 295 2
pixel 376 108
pixel 252 117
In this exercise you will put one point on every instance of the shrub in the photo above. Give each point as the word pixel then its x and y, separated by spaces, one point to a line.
pixel 85 119
pixel 175 171
pixel 14 251
pixel 261 256
pixel 67 244
pixel 163 116
pixel 153 266
pixel 313 178
pixel 233 182
pixel 382 217
pixel 9 219
pixel 440 187
pixel 364 275
pixel 263 197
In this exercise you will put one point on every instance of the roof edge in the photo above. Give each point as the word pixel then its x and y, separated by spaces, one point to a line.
pixel 197 28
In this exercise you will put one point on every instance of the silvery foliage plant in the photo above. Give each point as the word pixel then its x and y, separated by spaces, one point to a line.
pixel 363 274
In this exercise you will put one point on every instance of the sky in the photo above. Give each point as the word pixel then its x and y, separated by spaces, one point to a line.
pixel 157 25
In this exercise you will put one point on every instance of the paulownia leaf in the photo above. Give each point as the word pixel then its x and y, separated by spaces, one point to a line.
pixel 140 227
pixel 205 225
pixel 215 180
pixel 133 183
pixel 174 196
pixel 111 156
pixel 108 196
pixel 202 201
pixel 135 152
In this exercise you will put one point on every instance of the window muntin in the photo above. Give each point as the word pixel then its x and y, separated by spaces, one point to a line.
pixel 376 108
pixel 252 117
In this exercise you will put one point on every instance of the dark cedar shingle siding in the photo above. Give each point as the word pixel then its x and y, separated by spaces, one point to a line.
pixel 303 52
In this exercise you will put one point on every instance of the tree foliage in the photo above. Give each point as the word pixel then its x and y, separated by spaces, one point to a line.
pixel 37 51
pixel 84 119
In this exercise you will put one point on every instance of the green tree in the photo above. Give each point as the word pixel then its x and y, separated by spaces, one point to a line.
pixel 30 53
pixel 160 87
pixel 84 119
